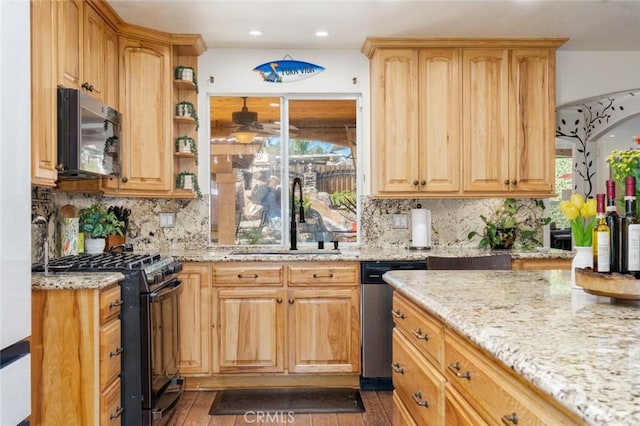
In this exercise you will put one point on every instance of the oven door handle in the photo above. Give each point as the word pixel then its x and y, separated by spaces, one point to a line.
pixel 166 291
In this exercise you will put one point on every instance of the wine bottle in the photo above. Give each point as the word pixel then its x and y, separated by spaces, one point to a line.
pixel 613 222
pixel 630 231
pixel 601 241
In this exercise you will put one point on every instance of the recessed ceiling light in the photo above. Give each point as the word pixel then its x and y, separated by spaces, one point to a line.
pixel 322 33
pixel 255 32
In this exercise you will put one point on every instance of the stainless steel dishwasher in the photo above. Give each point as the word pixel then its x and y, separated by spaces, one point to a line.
pixel 376 322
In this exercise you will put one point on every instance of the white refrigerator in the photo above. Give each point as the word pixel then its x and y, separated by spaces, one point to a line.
pixel 15 213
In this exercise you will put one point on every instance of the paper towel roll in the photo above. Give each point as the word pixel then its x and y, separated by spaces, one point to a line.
pixel 421 228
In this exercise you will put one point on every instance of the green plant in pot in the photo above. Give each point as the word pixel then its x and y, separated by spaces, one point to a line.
pixel 188 143
pixel 188 180
pixel 185 108
pixel 98 223
pixel 513 221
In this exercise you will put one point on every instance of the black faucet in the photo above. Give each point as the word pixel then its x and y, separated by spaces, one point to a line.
pixel 294 227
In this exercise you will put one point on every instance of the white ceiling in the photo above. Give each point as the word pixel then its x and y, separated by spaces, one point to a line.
pixel 589 24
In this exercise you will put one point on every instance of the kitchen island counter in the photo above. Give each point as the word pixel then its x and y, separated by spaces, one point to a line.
pixel 582 350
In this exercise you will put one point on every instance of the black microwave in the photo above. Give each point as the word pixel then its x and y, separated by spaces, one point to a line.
pixel 88 137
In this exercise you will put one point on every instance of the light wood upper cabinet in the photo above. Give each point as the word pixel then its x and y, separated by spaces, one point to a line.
pixel 111 69
pixel 462 117
pixel 195 318
pixel 94 53
pixel 70 42
pixel 485 112
pixel 395 165
pixel 83 56
pixel 44 148
pixel 532 100
pixel 145 104
pixel 439 120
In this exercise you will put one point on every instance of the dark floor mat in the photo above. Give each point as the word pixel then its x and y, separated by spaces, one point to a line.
pixel 295 400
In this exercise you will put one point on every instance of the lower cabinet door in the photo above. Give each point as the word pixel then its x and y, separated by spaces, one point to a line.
pixel 418 384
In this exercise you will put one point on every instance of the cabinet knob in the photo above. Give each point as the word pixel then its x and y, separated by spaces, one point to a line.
pixel 60 167
pixel 125 179
pixel 514 182
pixel 506 181
pixel 291 301
pixel 423 182
pixel 415 183
pixel 279 300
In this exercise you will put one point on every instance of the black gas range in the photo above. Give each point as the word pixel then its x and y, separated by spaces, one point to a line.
pixel 150 380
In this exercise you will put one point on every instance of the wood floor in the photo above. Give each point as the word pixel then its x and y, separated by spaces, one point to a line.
pixel 193 410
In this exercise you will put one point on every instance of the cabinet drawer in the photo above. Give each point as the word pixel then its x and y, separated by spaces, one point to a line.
pixel 401 416
pixel 248 274
pixel 421 330
pixel 111 405
pixel 457 411
pixel 418 384
pixel 110 303
pixel 496 395
pixel 110 352
pixel 323 273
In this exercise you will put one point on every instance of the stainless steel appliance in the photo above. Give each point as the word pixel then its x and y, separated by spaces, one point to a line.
pixel 151 382
pixel 376 321
pixel 88 137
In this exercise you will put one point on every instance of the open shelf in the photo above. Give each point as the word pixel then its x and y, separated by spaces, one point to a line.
pixel 184 85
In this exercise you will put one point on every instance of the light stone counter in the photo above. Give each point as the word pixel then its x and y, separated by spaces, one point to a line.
pixel 346 253
pixel 75 280
pixel 581 349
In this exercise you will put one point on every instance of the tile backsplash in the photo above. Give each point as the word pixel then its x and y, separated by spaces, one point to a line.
pixel 451 220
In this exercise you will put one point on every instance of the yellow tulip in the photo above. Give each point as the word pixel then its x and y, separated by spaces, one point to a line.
pixel 577 200
pixel 569 210
pixel 589 209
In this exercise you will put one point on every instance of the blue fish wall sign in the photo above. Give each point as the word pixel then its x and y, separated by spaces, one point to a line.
pixel 287 71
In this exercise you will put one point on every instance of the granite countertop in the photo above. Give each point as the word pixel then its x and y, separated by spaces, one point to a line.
pixel 583 350
pixel 75 280
pixel 347 253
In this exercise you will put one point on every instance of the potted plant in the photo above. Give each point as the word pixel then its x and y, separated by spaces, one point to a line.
pixel 515 220
pixel 186 73
pixel 187 144
pixel 188 180
pixel 98 223
pixel 184 108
